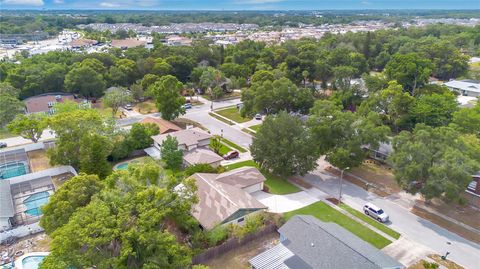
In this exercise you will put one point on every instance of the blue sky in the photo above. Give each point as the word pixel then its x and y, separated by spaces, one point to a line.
pixel 240 4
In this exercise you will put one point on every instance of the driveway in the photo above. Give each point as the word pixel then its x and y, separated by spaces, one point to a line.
pixel 284 203
pixel 440 240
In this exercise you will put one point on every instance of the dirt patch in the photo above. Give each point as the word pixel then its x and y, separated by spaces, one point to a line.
pixel 378 174
pixel 299 181
pixel 60 179
pixel 333 201
pixel 38 160
pixel 145 107
pixel 436 259
pixel 182 123
pixel 238 258
pixel 35 243
pixel 359 182
pixel 452 227
pixel 468 215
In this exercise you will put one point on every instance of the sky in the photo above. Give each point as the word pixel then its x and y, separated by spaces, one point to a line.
pixel 239 4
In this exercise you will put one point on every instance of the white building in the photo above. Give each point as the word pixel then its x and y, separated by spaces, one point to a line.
pixel 465 87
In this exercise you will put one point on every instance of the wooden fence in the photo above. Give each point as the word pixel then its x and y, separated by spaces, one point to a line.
pixel 232 244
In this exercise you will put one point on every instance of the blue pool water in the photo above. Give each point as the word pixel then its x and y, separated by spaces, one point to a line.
pixel 123 166
pixel 14 169
pixel 32 262
pixel 35 202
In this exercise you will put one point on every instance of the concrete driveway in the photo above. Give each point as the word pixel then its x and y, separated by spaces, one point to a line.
pixel 284 203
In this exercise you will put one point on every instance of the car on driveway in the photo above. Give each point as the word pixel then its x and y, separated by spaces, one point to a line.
pixel 3 145
pixel 128 107
pixel 231 155
pixel 258 117
pixel 187 106
pixel 375 212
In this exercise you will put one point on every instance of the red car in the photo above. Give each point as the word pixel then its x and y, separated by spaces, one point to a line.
pixel 231 155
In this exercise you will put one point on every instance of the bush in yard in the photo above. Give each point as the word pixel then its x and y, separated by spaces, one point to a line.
pixel 430 265
pixel 203 168
pixel 217 235
pixel 171 155
pixel 215 144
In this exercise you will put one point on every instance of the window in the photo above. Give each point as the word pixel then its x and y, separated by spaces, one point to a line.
pixel 240 220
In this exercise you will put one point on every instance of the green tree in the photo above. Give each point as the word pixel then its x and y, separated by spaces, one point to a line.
pixel 85 81
pixel 140 136
pixel 10 107
pixel 117 98
pixel 124 72
pixel 74 193
pixel 171 154
pixel 6 88
pixel 215 144
pixel 28 126
pixel 168 98
pixel 434 161
pixel 411 70
pixel 284 146
pixel 467 120
pixel 93 153
pixel 340 135
pixel 434 109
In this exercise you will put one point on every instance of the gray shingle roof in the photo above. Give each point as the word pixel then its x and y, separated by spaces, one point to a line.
pixel 327 245
pixel 186 137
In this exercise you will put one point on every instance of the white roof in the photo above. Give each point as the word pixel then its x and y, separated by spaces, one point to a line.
pixel 464 85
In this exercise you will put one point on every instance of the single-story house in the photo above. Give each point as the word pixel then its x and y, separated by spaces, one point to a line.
pixel 381 153
pixel 44 103
pixel 465 87
pixel 128 43
pixel 83 43
pixel 201 155
pixel 165 126
pixel 225 198
pixel 188 139
pixel 307 243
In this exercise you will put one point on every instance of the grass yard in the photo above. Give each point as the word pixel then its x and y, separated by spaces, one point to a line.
pixel 326 213
pixel 371 221
pixel 255 127
pixel 275 184
pixel 223 150
pixel 233 145
pixel 146 107
pixel 5 133
pixel 248 131
pixel 232 113
pixel 221 119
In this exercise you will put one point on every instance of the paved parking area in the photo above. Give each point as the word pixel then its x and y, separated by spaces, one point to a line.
pixel 284 203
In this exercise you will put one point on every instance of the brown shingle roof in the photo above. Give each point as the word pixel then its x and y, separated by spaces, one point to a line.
pixel 83 42
pixel 186 137
pixel 41 103
pixel 219 200
pixel 127 43
pixel 165 126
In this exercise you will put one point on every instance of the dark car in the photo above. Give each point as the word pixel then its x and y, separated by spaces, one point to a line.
pixel 3 145
pixel 231 155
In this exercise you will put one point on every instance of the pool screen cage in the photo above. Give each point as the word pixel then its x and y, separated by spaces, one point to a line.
pixel 22 191
pixel 13 157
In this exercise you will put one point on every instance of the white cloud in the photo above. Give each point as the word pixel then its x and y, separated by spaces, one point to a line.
pixel 110 4
pixel 23 2
pixel 59 1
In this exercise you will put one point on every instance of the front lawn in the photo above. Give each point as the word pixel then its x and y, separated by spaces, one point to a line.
pixel 233 145
pixel 232 113
pixel 5 133
pixel 324 212
pixel 275 184
pixel 223 150
pixel 255 127
pixel 146 107
pixel 369 220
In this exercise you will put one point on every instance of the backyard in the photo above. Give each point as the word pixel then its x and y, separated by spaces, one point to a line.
pixel 232 113
pixel 326 213
pixel 38 160
pixel 275 184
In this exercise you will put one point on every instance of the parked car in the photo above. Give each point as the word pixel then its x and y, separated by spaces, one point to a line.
pixel 3 145
pixel 187 106
pixel 258 117
pixel 231 155
pixel 375 212
pixel 128 107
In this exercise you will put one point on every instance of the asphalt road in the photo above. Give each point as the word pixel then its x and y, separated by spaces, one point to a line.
pixel 462 251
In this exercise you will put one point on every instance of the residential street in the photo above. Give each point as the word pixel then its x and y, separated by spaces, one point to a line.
pixel 462 251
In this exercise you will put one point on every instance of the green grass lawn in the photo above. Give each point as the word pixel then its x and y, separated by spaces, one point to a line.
pixel 326 213
pixel 221 119
pixel 232 113
pixel 223 150
pixel 5 133
pixel 275 184
pixel 371 221
pixel 255 127
pixel 233 145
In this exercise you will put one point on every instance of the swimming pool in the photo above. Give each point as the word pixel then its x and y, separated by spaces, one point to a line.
pixel 32 262
pixel 14 169
pixel 122 166
pixel 35 202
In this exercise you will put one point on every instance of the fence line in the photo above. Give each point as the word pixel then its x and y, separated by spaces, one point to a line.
pixel 231 244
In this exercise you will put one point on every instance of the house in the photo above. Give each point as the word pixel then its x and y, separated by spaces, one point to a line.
pixel 164 126
pixel 83 43
pixel 381 153
pixel 201 155
pixel 307 243
pixel 44 103
pixel 128 43
pixel 465 87
pixel 225 198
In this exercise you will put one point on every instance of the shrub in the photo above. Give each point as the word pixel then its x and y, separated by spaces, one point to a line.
pixel 430 265
pixel 200 168
pixel 217 235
